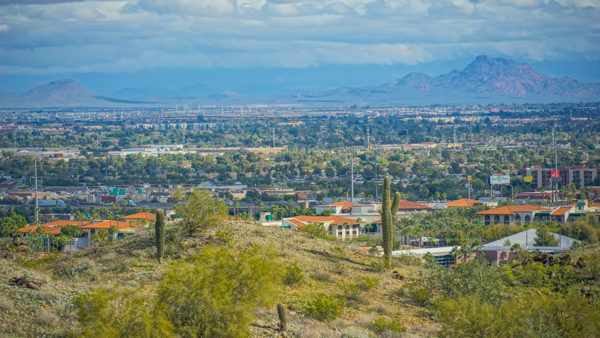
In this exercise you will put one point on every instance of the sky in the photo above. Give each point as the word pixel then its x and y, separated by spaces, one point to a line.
pixel 109 45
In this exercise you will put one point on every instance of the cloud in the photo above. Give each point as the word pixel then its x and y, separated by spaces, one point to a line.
pixel 89 36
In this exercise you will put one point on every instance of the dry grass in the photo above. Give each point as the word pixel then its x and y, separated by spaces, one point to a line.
pixel 327 266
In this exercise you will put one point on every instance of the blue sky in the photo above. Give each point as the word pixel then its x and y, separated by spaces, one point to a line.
pixel 109 45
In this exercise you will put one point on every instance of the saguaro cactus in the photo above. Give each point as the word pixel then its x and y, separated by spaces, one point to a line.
pixel 159 234
pixel 281 315
pixel 388 215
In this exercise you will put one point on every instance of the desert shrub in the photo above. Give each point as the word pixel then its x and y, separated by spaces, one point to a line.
pixel 119 313
pixel 526 314
pixel 420 294
pixel 321 277
pixel 475 277
pixel 367 283
pixel 409 260
pixel 580 229
pixel 293 275
pixel 383 326
pixel 353 290
pixel 68 270
pixel 324 307
pixel 218 293
pixel 316 230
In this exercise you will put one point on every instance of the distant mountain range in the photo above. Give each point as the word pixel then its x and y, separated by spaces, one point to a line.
pixel 484 80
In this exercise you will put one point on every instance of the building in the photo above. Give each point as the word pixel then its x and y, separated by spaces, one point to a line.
pixel 338 226
pixel 140 219
pixel 336 207
pixel 579 176
pixel 500 251
pixel 463 203
pixel 523 214
pixel 412 207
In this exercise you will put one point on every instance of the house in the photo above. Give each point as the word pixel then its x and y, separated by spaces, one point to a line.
pixel 463 203
pixel 121 228
pixel 500 250
pixel 338 226
pixel 140 219
pixel 51 228
pixel 523 214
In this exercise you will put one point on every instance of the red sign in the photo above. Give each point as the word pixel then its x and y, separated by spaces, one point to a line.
pixel 554 173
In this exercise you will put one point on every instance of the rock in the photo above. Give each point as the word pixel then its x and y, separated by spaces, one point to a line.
pixel 397 275
pixel 25 281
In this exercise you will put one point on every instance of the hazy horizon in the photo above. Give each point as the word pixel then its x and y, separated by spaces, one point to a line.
pixel 167 45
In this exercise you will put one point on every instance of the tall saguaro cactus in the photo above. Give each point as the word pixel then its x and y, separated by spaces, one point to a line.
pixel 388 215
pixel 159 234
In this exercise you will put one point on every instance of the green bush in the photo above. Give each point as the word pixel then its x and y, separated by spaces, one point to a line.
pixel 382 326
pixel 525 314
pixel 218 293
pixel 119 313
pixel 316 230
pixel 324 307
pixel 293 275
pixel 71 231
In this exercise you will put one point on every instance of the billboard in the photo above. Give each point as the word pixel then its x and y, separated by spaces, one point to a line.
pixel 499 179
pixel 554 173
pixel 528 179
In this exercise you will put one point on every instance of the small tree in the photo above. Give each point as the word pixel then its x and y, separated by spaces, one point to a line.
pixel 71 231
pixel 10 224
pixel 159 234
pixel 201 211
pixel 545 238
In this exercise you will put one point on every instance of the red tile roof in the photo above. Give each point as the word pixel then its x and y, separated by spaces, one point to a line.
pixel 107 224
pixel 408 205
pixel 561 211
pixel 513 209
pixel 52 228
pixel 141 216
pixel 463 203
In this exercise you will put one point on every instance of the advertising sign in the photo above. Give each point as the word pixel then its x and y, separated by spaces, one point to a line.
pixel 554 173
pixel 499 179
pixel 528 179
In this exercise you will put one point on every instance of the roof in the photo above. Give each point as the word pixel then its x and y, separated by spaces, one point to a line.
pixel 108 224
pixel 52 228
pixel 512 210
pixel 463 203
pixel 345 205
pixel 526 239
pixel 408 205
pixel 561 211
pixel 301 221
pixel 149 216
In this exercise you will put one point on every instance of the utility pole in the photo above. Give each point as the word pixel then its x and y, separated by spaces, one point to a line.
pixel 554 179
pixel 377 183
pixel 352 176
pixel 273 138
pixel 368 139
pixel 37 205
